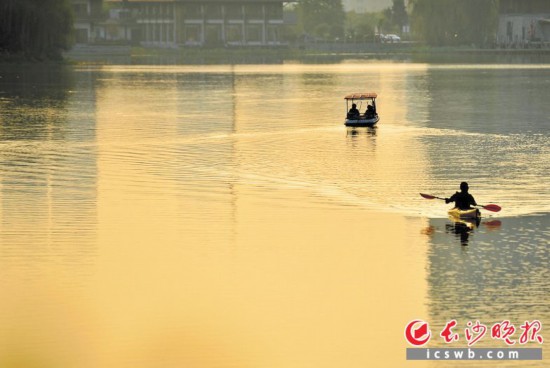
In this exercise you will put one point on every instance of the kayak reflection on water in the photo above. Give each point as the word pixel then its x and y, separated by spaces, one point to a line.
pixel 462 229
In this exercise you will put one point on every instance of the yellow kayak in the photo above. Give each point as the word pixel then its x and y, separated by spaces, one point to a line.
pixel 472 213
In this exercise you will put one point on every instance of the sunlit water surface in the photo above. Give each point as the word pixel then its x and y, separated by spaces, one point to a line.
pixel 223 216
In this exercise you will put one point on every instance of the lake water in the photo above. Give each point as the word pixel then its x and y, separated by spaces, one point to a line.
pixel 223 216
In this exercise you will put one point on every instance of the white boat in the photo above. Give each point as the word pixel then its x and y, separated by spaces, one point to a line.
pixel 369 117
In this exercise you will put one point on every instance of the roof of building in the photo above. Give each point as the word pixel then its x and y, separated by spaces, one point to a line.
pixel 129 2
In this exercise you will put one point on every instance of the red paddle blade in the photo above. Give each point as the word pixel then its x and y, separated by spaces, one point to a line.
pixel 493 224
pixel 492 207
pixel 427 196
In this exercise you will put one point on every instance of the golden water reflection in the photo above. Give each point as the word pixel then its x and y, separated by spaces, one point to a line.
pixel 220 250
pixel 221 216
pixel 289 286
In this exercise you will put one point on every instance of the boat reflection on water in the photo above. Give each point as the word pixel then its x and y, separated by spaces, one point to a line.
pixel 368 131
pixel 362 140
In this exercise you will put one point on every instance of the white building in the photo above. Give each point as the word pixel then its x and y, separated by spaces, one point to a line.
pixel 172 23
pixel 524 23
pixel 88 16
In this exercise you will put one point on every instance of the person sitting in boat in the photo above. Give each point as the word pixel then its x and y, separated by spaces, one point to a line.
pixel 463 200
pixel 353 113
pixel 370 113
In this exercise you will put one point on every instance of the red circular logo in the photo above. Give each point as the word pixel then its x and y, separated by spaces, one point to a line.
pixel 418 332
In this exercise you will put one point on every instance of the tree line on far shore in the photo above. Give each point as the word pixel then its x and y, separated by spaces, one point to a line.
pixel 35 29
pixel 455 23
pixel 435 22
pixel 326 20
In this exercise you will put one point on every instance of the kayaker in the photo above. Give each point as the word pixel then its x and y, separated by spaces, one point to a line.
pixel 463 200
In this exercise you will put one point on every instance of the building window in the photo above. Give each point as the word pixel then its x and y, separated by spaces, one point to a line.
pixel 274 11
pixel 157 32
pixel 234 12
pixel 254 11
pixel 509 30
pixel 234 33
pixel 170 33
pixel 213 11
pixel 124 14
pixel 80 10
pixel 192 34
pixel 193 11
pixel 254 33
pixel 168 11
pixel 149 32
pixel 272 34
pixel 213 35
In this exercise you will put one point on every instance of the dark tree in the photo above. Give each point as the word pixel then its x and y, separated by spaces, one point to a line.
pixel 399 14
pixel 36 29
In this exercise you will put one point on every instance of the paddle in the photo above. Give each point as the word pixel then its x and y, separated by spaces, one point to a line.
pixel 428 196
pixel 488 207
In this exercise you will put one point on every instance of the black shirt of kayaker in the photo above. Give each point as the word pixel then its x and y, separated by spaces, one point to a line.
pixel 462 200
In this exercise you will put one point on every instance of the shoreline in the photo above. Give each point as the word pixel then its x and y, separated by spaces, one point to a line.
pixel 311 53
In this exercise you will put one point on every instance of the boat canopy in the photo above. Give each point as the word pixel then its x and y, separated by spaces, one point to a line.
pixel 361 96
